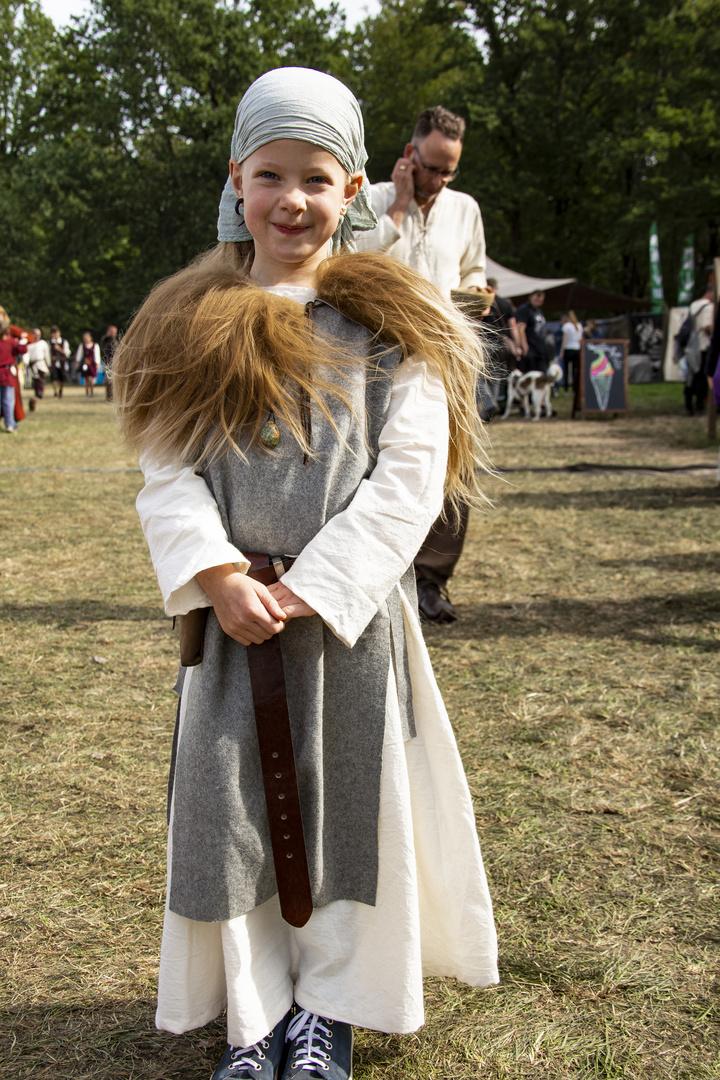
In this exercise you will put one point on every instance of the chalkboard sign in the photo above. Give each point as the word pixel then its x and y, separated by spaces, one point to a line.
pixel 603 376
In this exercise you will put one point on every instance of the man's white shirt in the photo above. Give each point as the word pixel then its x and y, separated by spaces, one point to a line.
pixel 704 312
pixel 38 357
pixel 447 247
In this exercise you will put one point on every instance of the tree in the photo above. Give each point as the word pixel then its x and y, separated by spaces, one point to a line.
pixel 602 121
pixel 132 120
pixel 29 38
pixel 413 55
pixel 587 120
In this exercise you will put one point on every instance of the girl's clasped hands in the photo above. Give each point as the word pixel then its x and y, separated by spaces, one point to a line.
pixel 247 610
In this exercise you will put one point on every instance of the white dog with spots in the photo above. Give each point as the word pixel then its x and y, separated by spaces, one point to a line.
pixel 532 389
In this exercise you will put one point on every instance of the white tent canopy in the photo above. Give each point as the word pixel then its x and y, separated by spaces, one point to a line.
pixel 559 292
pixel 511 283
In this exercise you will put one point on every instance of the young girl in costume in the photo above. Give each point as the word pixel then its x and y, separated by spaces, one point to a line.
pixel 298 419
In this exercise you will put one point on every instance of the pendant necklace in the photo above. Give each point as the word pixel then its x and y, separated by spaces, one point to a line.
pixel 270 433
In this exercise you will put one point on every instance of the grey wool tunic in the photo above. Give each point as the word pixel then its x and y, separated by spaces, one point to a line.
pixel 221 862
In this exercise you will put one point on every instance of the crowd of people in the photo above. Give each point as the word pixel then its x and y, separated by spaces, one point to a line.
pixel 28 360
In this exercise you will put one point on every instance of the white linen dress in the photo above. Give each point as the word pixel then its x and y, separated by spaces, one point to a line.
pixel 352 962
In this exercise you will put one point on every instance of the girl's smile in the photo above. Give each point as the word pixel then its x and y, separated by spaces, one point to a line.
pixel 294 194
pixel 291 230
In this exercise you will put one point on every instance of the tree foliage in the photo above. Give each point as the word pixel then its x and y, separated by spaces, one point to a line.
pixel 601 120
pixel 587 120
pixel 129 120
pixel 412 56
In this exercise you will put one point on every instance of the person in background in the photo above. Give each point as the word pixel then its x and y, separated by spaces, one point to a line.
pixel 108 345
pixel 59 366
pixel 438 232
pixel 590 330
pixel 87 362
pixel 22 370
pixel 506 348
pixel 10 349
pixel 421 221
pixel 572 334
pixel 38 359
pixel 711 357
pixel 696 383
pixel 531 324
pixel 712 368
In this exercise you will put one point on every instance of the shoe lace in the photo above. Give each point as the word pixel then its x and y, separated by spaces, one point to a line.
pixel 310 1031
pixel 248 1057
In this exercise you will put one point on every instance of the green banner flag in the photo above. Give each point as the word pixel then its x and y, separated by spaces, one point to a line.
pixel 686 278
pixel 656 285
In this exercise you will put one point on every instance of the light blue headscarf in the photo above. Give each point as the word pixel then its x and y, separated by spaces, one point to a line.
pixel 300 103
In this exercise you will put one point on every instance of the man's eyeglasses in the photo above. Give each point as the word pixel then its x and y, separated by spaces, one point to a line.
pixel 444 174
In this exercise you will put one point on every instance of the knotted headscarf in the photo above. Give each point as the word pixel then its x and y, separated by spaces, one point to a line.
pixel 300 103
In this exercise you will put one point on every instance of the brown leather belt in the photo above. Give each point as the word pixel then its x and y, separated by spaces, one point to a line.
pixel 267 681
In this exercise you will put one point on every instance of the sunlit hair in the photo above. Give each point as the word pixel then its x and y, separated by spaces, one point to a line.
pixel 4 322
pixel 210 355
pixel 439 119
pixel 572 317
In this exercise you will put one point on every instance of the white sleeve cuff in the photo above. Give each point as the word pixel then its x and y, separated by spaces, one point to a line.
pixel 184 532
pixel 476 278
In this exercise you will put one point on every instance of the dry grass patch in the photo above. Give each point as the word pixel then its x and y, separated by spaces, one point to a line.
pixel 582 678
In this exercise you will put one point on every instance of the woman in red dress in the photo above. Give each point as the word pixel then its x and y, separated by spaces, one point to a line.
pixel 10 348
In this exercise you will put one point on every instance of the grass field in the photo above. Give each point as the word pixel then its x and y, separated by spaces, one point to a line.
pixel 582 678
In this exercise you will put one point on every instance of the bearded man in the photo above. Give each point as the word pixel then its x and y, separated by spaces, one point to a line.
pixel 438 232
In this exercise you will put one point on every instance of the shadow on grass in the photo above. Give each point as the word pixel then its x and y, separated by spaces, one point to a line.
pixel 650 498
pixel 649 620
pixel 104 1041
pixel 688 562
pixel 63 613
pixel 113 1039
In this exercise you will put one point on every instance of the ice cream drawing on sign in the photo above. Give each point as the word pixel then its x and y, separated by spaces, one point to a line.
pixel 601 376
pixel 604 375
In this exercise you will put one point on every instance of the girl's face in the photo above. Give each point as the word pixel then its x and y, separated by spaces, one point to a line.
pixel 293 193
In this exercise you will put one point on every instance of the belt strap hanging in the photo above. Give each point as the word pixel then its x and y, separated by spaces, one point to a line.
pixel 267 680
